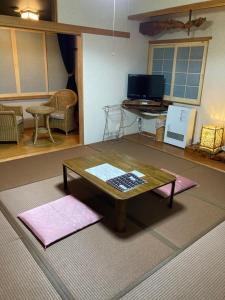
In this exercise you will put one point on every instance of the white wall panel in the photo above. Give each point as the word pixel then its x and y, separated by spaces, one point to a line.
pixel 107 60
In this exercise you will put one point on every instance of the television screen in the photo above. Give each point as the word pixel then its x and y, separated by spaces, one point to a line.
pixel 149 87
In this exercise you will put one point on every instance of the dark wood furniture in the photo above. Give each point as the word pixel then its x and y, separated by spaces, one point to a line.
pixel 143 106
pixel 155 178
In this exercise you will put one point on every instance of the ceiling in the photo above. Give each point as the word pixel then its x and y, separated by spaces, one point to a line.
pixel 44 7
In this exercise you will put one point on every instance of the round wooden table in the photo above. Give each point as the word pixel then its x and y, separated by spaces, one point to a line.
pixel 37 111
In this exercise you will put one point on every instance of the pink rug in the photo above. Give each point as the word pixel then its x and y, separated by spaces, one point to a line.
pixel 182 184
pixel 57 219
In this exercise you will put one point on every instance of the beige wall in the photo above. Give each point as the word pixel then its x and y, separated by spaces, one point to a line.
pixel 106 60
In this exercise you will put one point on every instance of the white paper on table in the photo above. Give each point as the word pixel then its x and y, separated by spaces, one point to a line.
pixel 105 171
pixel 137 173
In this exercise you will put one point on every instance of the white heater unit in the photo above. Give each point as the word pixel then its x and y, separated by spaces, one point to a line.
pixel 180 123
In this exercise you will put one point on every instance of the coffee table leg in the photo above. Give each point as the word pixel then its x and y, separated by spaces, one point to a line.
pixel 65 184
pixel 121 215
pixel 36 128
pixel 49 130
pixel 172 194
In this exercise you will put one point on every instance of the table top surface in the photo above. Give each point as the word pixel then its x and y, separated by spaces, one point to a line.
pixel 40 109
pixel 155 177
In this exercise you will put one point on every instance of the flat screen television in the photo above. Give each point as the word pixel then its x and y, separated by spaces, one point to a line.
pixel 142 86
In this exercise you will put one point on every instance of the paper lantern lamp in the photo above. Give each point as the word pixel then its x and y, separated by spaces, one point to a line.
pixel 211 138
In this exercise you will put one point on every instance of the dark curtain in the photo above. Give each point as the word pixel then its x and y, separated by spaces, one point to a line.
pixel 67 48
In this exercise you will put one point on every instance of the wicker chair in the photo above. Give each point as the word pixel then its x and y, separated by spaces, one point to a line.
pixel 11 123
pixel 64 102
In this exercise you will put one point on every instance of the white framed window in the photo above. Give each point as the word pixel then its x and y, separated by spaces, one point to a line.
pixel 183 67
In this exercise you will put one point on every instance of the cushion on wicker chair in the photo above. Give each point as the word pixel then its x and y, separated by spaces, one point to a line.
pixel 58 115
pixel 57 219
pixel 11 123
pixel 19 120
pixel 64 102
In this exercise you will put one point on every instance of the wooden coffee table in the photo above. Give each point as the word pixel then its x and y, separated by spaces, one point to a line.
pixel 155 178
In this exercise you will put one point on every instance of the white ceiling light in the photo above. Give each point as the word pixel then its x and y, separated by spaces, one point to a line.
pixel 29 14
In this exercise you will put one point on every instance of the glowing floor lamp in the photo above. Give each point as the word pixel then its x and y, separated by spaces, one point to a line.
pixel 211 138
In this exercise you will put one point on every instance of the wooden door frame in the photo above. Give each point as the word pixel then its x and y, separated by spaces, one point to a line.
pixel 54 11
pixel 79 82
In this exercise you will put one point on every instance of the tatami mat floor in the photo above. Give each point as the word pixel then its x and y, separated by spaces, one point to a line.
pixel 197 157
pixel 197 273
pixel 97 263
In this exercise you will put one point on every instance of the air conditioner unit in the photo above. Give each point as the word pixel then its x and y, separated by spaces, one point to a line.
pixel 180 123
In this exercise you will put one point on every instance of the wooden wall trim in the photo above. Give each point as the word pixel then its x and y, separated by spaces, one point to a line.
pixel 178 10
pixel 30 96
pixel 79 80
pixel 16 22
pixel 45 61
pixel 15 61
pixel 54 9
pixel 186 40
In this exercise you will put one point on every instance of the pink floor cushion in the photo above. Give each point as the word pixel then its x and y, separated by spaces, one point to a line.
pixel 182 184
pixel 57 219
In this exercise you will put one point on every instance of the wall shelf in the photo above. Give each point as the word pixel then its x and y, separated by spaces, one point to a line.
pixel 47 26
pixel 178 10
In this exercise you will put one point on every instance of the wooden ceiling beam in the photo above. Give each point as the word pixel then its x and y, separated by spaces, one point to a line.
pixel 185 40
pixel 16 22
pixel 178 10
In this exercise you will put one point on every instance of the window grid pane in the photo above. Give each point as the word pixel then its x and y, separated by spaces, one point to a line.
pixel 188 70
pixel 163 65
